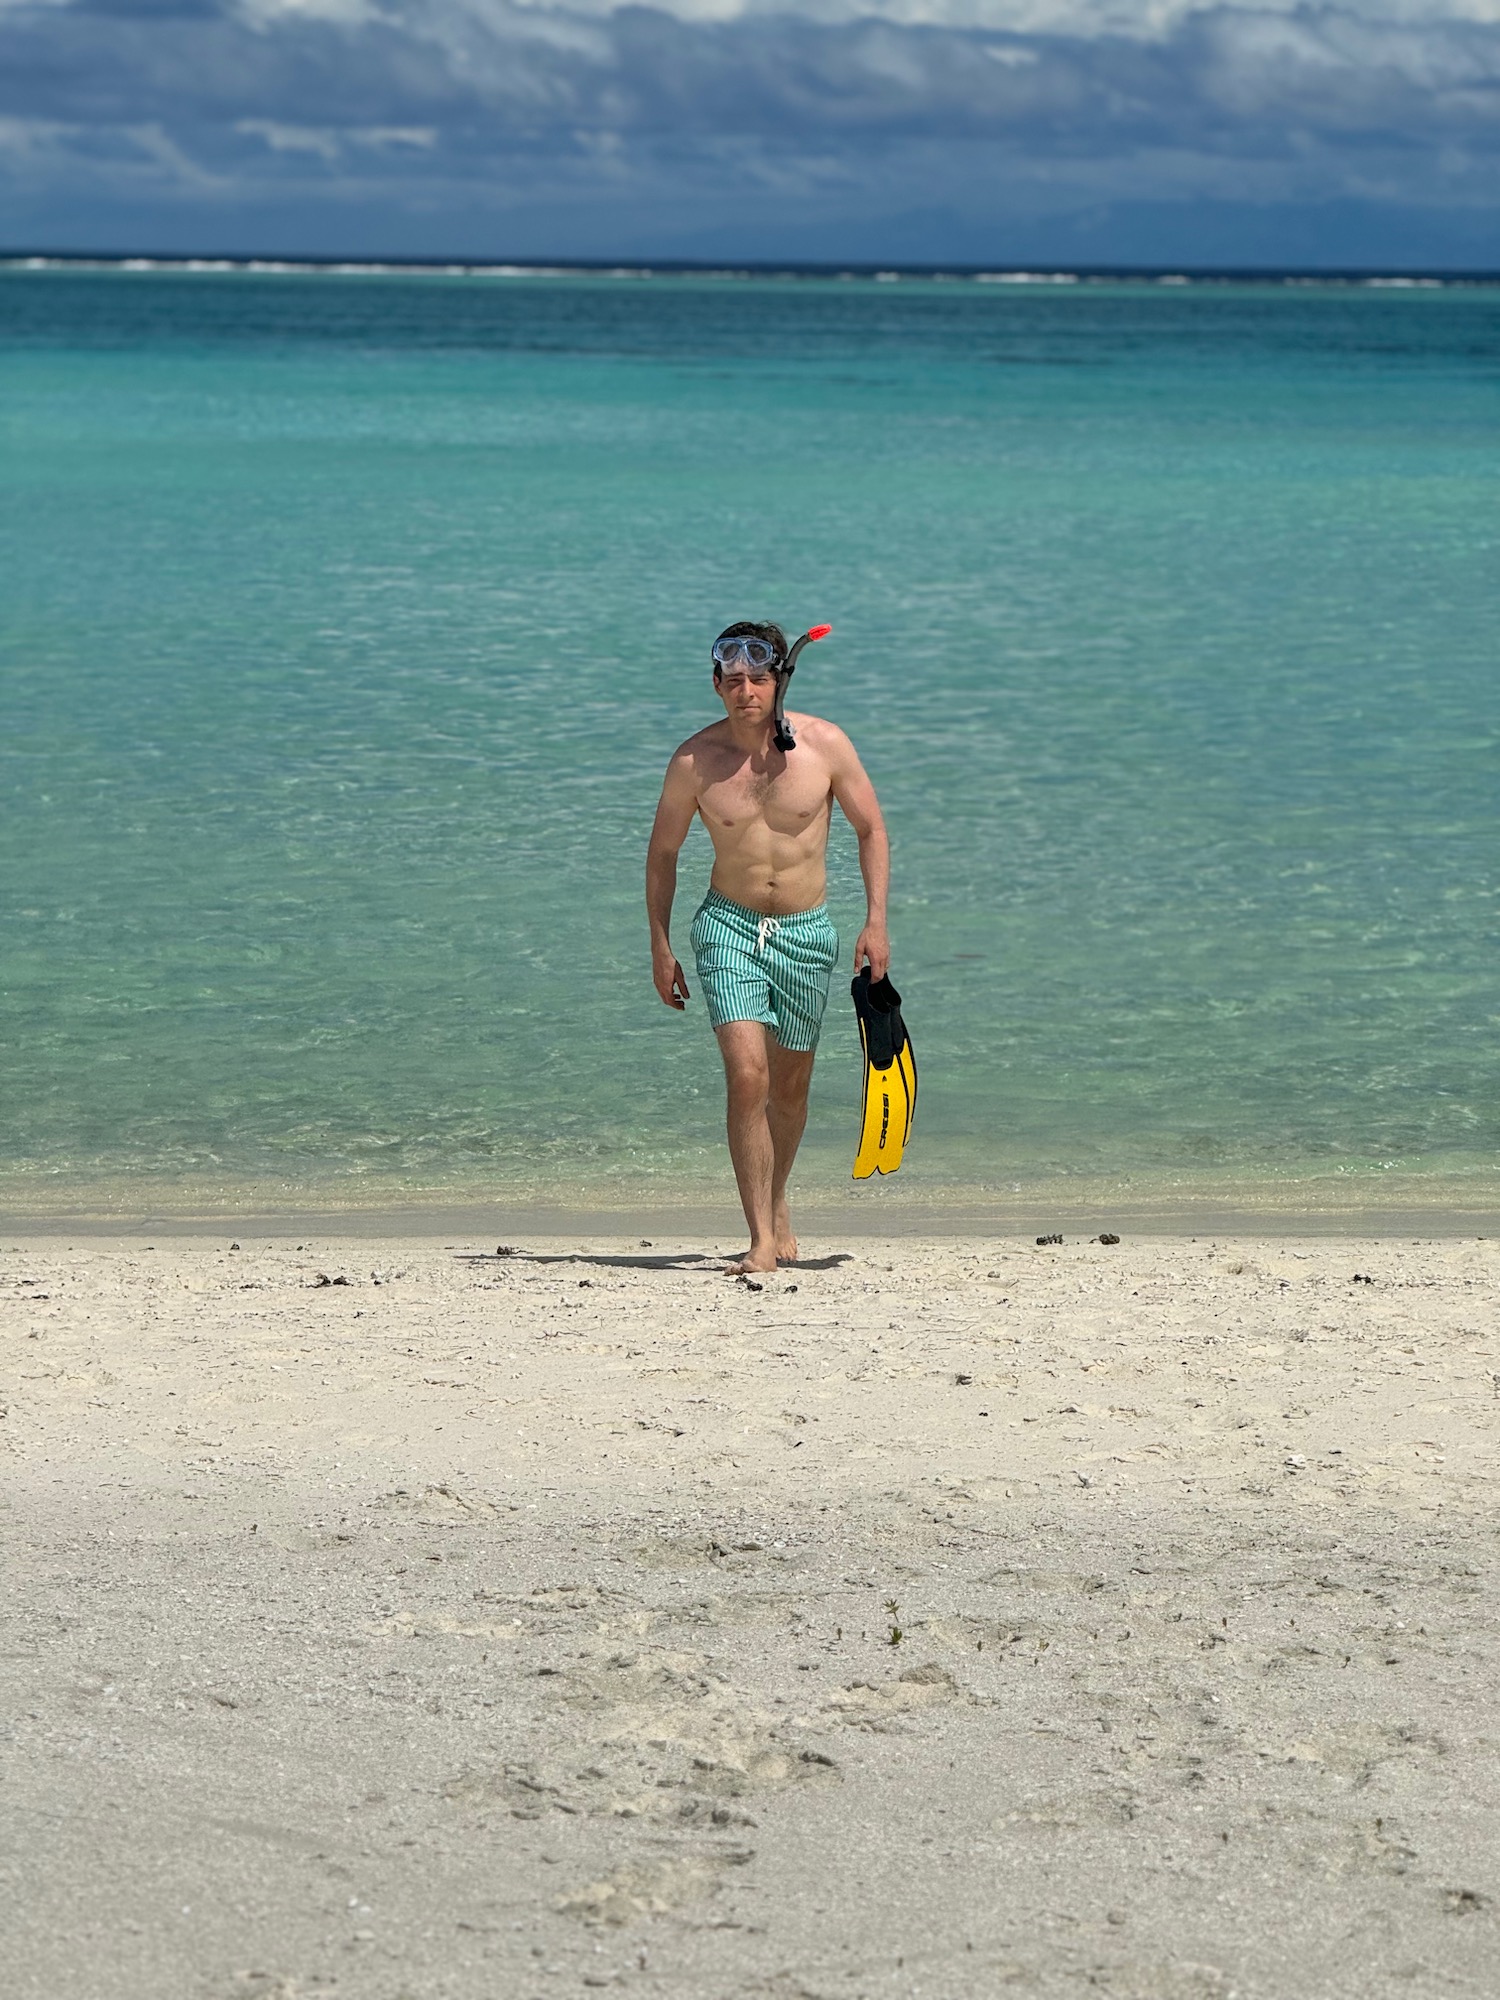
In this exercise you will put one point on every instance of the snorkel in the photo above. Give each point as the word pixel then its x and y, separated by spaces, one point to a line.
pixel 781 734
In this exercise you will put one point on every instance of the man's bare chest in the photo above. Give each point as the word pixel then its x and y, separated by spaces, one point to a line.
pixel 788 799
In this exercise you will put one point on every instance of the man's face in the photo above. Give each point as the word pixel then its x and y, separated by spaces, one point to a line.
pixel 748 693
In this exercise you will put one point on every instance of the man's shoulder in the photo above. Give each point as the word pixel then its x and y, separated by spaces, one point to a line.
pixel 695 751
pixel 709 737
pixel 818 733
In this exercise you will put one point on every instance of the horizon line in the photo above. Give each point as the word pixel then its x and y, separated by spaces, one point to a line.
pixel 1031 272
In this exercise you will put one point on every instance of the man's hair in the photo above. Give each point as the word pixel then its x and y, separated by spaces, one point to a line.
pixel 752 628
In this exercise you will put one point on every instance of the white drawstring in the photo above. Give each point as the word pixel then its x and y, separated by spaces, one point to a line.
pixel 768 928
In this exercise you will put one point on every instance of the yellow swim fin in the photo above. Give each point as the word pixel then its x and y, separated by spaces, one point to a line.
pixel 890 1082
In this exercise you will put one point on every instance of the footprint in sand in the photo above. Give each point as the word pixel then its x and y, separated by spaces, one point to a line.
pixel 265 1986
pixel 437 1506
pixel 656 1736
pixel 652 1888
pixel 866 1706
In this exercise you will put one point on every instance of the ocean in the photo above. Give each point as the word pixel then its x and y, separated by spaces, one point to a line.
pixel 350 619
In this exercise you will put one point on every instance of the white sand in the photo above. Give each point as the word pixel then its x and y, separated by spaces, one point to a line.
pixel 498 1627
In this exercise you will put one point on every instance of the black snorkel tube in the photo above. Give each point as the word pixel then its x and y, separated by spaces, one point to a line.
pixel 781 734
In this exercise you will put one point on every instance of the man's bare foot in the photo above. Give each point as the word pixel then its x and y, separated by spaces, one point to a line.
pixel 786 1237
pixel 757 1260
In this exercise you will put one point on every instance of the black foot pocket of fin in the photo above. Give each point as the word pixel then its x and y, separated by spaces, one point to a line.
pixel 890 1076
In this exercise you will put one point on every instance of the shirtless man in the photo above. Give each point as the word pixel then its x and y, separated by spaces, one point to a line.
pixel 762 938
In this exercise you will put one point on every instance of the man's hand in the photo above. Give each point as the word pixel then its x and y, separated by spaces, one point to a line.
pixel 874 944
pixel 668 978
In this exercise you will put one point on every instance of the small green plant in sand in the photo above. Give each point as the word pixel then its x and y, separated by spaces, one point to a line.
pixel 895 1635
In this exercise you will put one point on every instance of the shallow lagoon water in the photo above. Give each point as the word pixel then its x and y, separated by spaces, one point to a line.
pixel 350 621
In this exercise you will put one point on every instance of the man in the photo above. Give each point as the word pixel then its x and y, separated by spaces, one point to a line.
pixel 762 938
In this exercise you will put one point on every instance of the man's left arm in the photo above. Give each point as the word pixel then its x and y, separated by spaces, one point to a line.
pixel 859 805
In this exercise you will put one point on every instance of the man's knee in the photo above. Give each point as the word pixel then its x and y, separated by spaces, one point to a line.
pixel 789 1079
pixel 749 1085
pixel 747 1069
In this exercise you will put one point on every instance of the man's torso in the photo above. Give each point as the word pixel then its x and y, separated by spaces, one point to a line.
pixel 767 816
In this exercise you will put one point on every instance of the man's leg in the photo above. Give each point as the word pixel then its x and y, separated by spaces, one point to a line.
pixel 745 1046
pixel 786 1115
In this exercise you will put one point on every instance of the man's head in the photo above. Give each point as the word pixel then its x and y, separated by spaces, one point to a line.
pixel 748 661
pixel 749 647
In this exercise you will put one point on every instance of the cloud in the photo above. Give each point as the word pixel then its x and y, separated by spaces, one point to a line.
pixel 329 144
pixel 291 138
pixel 726 114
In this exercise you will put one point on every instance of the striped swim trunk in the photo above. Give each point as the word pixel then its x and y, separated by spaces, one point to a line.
pixel 769 969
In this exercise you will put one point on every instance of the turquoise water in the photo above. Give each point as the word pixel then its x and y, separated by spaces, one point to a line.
pixel 349 621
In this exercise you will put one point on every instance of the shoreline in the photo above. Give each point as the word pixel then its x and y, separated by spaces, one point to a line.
pixel 1328 1208
pixel 724 1226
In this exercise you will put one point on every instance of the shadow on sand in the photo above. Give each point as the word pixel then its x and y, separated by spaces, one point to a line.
pixel 679 1260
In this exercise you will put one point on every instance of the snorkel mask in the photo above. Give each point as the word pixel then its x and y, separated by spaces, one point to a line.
pixel 759 654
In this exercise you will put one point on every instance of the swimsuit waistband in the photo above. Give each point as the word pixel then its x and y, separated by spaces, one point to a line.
pixel 713 900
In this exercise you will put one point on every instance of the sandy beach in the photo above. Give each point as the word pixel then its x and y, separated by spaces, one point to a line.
pixel 391 1618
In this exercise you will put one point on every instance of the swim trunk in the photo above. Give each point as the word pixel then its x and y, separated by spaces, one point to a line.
pixel 769 969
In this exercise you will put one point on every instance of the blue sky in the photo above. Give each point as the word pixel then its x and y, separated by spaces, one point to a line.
pixel 1032 131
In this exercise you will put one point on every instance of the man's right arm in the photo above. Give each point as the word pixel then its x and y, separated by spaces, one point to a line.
pixel 674 816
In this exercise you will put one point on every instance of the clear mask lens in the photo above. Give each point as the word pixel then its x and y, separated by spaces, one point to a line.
pixel 759 655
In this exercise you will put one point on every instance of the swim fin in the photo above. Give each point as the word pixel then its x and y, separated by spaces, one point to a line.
pixel 890 1085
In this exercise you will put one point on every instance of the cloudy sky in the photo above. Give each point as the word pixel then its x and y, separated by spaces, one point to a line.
pixel 1147 131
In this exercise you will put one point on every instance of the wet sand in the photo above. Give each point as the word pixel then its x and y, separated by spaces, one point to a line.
pixel 390 1618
